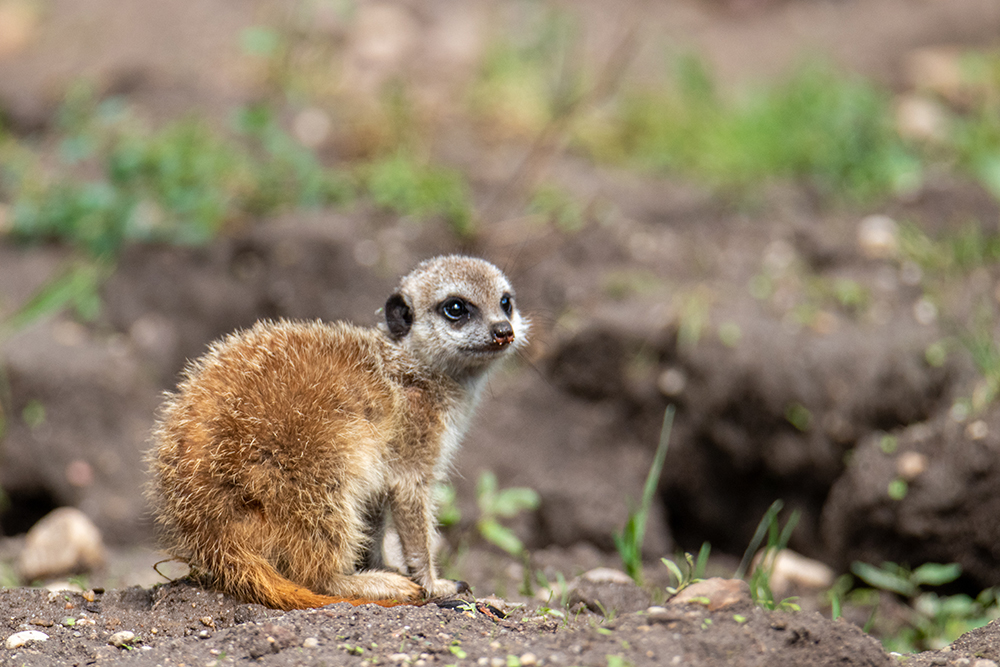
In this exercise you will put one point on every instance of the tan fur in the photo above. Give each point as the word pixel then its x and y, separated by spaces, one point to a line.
pixel 285 446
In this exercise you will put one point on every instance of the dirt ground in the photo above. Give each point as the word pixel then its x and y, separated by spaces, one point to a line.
pixel 579 418
pixel 181 624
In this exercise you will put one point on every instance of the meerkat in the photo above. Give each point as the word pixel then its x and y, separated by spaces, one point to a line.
pixel 286 446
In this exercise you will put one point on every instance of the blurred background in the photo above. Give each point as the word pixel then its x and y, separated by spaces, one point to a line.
pixel 778 216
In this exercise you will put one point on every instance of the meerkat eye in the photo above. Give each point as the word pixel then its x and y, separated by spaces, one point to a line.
pixel 454 309
pixel 507 304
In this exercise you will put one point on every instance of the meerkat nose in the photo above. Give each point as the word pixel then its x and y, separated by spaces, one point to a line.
pixel 503 333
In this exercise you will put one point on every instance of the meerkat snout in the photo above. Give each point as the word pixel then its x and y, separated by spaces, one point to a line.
pixel 503 333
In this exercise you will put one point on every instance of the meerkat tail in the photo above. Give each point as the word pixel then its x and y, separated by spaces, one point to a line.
pixel 258 582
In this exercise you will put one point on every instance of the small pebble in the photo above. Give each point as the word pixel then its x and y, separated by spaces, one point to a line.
pixel 607 575
pixel 310 642
pixel 399 657
pixel 878 236
pixel 977 430
pixel 911 465
pixel 121 639
pixel 19 639
pixel 671 382
pixel 719 593
pixel 790 570
pixel 529 660
pixel 925 312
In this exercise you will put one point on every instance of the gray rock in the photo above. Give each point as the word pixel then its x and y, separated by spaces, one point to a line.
pixel 122 639
pixel 19 639
pixel 63 542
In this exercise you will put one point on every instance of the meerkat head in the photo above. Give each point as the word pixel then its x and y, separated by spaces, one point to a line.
pixel 456 314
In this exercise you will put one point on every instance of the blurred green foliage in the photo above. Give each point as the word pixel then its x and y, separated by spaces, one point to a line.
pixel 495 504
pixel 821 126
pixel 117 181
pixel 932 620
pixel 407 186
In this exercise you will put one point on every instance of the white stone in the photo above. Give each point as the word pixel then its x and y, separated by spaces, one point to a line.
pixel 878 236
pixel 62 585
pixel 959 412
pixel 671 382
pixel 911 465
pixel 19 639
pixel 63 542
pixel 607 575
pixel 795 570
pixel 977 430
pixel 779 256
pixel 311 127
pixel 922 118
pixel 122 638
pixel 925 312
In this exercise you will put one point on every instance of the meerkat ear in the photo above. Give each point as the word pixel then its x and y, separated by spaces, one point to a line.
pixel 398 315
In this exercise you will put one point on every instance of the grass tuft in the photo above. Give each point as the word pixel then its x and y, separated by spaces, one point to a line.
pixel 819 126
pixel 629 540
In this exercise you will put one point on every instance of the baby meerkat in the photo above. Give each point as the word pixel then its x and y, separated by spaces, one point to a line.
pixel 284 448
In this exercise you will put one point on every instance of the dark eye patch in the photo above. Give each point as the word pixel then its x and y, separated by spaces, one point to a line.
pixel 507 304
pixel 454 309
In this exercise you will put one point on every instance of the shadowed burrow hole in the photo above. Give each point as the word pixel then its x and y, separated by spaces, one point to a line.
pixel 20 510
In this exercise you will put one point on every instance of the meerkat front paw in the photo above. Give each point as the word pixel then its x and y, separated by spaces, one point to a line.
pixel 443 588
pixel 378 586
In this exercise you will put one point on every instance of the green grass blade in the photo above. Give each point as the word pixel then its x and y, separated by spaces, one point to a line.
pixel 702 562
pixel 629 541
pixel 883 579
pixel 768 520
